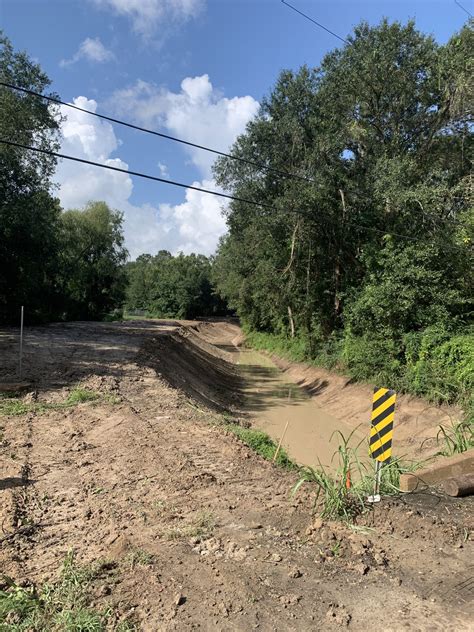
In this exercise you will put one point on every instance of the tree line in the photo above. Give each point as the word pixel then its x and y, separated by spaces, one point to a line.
pixel 59 265
pixel 365 264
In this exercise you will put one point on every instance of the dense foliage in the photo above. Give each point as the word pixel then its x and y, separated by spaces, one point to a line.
pixel 58 265
pixel 365 261
pixel 172 287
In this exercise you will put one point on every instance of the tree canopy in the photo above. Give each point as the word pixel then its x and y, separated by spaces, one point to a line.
pixel 372 244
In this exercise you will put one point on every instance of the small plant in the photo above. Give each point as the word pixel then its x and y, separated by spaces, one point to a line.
pixel 80 395
pixel 140 557
pixel 14 406
pixel 62 605
pixel 201 526
pixel 457 438
pixel 341 500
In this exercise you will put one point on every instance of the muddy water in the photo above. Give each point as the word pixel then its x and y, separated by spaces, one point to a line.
pixel 272 401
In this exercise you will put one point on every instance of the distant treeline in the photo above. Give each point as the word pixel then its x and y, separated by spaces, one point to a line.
pixel 364 262
pixel 172 287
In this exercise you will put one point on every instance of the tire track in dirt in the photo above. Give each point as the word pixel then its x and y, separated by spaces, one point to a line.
pixel 142 475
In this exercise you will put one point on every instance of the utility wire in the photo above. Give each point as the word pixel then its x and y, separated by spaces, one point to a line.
pixel 284 174
pixel 187 186
pixel 321 26
pixel 131 173
pixel 465 10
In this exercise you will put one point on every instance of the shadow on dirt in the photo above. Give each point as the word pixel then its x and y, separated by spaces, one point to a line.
pixel 12 482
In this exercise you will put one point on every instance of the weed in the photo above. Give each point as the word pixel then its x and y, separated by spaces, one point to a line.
pixel 80 395
pixel 343 500
pixel 140 557
pixel 202 526
pixel 456 439
pixel 389 476
pixel 13 406
pixel 336 549
pixel 62 605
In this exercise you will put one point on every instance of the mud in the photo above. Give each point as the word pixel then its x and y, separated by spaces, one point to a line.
pixel 147 468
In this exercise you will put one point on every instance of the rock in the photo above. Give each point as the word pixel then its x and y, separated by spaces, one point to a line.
pixel 294 573
pixel 317 523
pixel 289 600
pixel 362 568
pixel 256 525
pixel 179 600
pixel 276 557
pixel 338 614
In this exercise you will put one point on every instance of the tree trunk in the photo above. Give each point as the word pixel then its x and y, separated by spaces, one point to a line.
pixel 292 324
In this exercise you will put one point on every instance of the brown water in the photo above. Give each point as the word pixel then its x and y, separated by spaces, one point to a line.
pixel 311 437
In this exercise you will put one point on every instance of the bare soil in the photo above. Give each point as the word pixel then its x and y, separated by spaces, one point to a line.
pixel 200 531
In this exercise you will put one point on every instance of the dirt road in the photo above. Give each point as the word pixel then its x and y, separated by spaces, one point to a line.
pixel 198 531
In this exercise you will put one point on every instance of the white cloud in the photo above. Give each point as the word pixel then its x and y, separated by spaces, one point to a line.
pixel 164 173
pixel 146 15
pixel 198 113
pixel 90 49
pixel 197 223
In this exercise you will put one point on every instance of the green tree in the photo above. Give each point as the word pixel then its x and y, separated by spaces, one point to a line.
pixel 92 261
pixel 29 215
pixel 374 240
pixel 173 287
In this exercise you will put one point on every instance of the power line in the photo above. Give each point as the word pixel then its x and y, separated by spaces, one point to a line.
pixel 465 10
pixel 187 186
pixel 321 26
pixel 132 173
pixel 284 174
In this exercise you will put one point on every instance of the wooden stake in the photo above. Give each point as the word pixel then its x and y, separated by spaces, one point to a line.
pixel 280 442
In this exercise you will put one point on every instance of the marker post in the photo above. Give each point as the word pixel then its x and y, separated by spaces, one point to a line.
pixel 21 342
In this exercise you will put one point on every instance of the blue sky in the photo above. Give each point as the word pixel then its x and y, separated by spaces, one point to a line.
pixel 191 68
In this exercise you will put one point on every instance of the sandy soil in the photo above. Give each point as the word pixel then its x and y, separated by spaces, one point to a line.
pixel 201 532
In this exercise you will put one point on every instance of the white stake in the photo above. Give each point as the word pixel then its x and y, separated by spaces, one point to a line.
pixel 375 498
pixel 21 342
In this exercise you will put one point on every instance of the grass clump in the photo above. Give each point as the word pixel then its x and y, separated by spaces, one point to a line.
pixel 201 526
pixel 340 500
pixel 140 557
pixel 456 439
pixel 59 606
pixel 80 395
pixel 15 406
pixel 262 444
pixel 343 498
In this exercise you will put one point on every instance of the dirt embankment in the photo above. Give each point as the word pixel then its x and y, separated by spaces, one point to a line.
pixel 416 420
pixel 198 532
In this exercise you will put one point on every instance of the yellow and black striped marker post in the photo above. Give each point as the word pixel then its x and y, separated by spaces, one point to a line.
pixel 381 433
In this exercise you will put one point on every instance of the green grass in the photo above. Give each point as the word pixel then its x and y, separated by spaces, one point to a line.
pixel 261 443
pixel 59 606
pixel 342 501
pixel 140 557
pixel 80 395
pixel 15 406
pixel 456 439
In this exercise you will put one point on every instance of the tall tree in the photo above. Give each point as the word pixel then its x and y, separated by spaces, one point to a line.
pixel 92 261
pixel 29 215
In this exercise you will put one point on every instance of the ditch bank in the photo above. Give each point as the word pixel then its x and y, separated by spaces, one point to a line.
pixel 207 361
